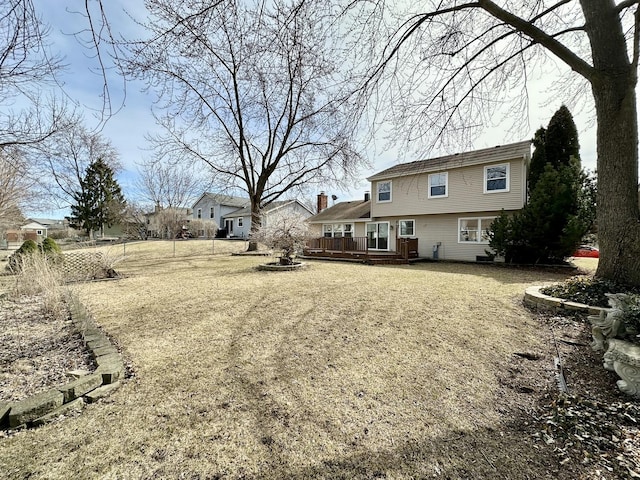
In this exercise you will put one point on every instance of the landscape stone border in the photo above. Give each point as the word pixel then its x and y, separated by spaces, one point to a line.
pixel 276 267
pixel 85 388
pixel 537 300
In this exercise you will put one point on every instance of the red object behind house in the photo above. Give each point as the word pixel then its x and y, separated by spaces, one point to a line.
pixel 587 251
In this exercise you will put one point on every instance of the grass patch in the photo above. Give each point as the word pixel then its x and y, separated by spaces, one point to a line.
pixel 337 371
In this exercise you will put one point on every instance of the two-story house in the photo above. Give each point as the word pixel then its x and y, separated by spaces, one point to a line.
pixel 232 214
pixel 212 207
pixel 443 205
pixel 240 219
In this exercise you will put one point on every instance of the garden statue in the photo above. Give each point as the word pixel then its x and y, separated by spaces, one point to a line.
pixel 609 324
pixel 612 331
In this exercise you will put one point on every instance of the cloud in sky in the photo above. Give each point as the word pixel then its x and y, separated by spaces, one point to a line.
pixel 126 130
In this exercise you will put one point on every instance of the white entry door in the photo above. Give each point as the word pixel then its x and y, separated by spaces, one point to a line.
pixel 228 225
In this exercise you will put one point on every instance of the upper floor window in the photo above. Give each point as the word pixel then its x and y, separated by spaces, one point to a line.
pixel 199 213
pixel 496 178
pixel 407 228
pixel 240 221
pixel 438 185
pixel 211 212
pixel 384 191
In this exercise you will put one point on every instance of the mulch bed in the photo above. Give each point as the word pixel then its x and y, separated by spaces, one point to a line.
pixel 593 423
pixel 37 349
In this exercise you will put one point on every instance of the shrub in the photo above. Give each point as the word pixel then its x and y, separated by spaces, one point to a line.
pixel 50 246
pixel 15 261
pixel 285 233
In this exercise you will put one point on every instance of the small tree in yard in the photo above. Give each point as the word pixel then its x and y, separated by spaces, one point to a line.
pixel 286 233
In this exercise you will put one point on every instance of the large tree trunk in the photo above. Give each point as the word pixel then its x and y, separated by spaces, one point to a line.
pixel 613 85
pixel 256 223
pixel 618 228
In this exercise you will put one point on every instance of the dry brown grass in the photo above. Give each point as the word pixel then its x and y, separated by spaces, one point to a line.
pixel 40 275
pixel 337 371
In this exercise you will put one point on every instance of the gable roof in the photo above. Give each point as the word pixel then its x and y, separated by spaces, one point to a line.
pixel 246 211
pixel 47 222
pixel 222 199
pixel 499 153
pixel 354 210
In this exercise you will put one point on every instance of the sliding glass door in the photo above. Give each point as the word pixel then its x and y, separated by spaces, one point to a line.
pixel 378 235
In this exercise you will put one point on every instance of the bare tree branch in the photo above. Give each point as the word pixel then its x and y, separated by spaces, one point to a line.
pixel 252 90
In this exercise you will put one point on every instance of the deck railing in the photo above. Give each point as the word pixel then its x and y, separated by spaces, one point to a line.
pixel 406 247
pixel 339 244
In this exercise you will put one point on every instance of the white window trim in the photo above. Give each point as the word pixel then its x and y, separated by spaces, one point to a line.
pixel 378 191
pixel 400 229
pixel 39 232
pixel 212 212
pixel 479 224
pixel 240 222
pixel 446 185
pixel 199 214
pixel 508 183
pixel 352 230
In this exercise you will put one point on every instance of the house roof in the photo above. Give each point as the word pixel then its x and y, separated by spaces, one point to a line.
pixel 222 199
pixel 354 210
pixel 34 226
pixel 498 153
pixel 246 211
pixel 48 222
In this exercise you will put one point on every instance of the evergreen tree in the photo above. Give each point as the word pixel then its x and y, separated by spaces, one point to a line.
pixel 100 201
pixel 538 159
pixel 561 206
pixel 561 141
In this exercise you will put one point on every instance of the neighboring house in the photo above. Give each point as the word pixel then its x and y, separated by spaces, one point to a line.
pixel 212 207
pixel 446 204
pixel 37 227
pixel 45 227
pixel 238 222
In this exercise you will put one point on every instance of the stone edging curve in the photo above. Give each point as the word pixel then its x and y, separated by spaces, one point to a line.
pixel 533 298
pixel 47 406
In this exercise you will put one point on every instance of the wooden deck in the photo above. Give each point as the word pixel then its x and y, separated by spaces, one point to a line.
pixel 356 249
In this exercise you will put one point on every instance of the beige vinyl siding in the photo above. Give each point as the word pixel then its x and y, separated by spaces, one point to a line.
pixel 465 193
pixel 431 229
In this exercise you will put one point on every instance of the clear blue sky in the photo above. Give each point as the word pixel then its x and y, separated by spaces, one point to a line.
pixel 127 129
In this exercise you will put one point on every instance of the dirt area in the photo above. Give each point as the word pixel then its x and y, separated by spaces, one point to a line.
pixel 593 423
pixel 36 349
pixel 592 429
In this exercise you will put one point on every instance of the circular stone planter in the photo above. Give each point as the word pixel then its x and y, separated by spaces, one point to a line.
pixel 276 267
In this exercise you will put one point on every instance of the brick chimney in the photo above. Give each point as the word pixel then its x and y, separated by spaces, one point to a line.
pixel 323 201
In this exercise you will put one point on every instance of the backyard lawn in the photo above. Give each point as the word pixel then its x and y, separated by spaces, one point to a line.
pixel 336 371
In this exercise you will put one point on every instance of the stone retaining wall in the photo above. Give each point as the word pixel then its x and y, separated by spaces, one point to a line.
pixel 533 298
pixel 86 387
